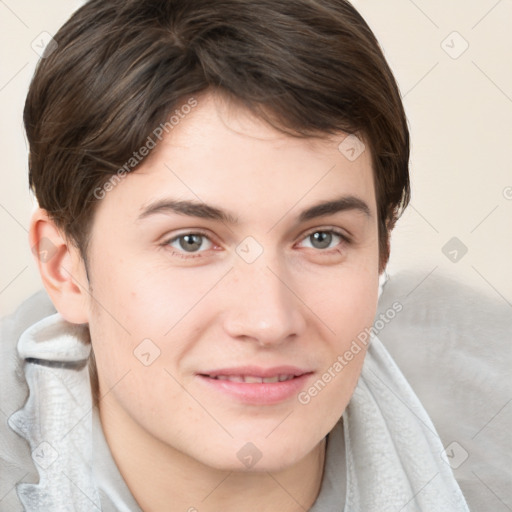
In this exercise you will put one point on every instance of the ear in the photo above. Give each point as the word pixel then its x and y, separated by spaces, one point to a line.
pixel 61 267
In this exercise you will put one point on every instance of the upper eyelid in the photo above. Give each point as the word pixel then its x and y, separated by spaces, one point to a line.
pixel 197 231
pixel 337 231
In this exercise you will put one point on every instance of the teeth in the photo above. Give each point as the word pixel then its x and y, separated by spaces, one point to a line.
pixel 234 378
pixel 249 379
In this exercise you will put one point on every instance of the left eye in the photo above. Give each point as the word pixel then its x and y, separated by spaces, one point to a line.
pixel 191 242
pixel 324 239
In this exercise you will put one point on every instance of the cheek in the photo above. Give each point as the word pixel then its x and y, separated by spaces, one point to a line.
pixel 135 362
pixel 344 298
pixel 144 321
pixel 144 299
pixel 343 354
pixel 346 304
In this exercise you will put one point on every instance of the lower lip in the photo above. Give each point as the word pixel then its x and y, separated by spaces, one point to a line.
pixel 264 393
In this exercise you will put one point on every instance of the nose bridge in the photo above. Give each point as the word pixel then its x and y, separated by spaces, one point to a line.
pixel 261 305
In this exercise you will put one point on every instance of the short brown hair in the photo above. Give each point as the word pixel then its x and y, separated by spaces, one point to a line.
pixel 310 68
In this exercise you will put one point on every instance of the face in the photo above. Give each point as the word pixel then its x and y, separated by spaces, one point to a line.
pixel 214 266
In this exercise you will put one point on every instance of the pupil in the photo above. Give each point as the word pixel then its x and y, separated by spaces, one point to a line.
pixel 190 242
pixel 321 239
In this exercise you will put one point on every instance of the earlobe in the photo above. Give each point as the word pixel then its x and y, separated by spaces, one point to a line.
pixel 61 267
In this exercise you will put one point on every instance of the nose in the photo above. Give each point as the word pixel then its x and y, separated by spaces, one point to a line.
pixel 262 306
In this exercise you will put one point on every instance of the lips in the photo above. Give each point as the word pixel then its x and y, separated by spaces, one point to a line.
pixel 256 385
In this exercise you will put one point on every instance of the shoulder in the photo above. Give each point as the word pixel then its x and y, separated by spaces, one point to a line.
pixel 15 458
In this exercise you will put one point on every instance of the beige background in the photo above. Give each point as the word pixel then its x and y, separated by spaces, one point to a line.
pixel 459 105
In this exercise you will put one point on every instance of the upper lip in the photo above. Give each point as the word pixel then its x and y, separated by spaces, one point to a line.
pixel 257 371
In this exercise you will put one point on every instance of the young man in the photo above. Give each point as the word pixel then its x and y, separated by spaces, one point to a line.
pixel 217 183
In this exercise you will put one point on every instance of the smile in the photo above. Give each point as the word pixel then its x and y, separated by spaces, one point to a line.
pixel 255 385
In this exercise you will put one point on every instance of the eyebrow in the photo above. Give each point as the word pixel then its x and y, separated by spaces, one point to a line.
pixel 205 211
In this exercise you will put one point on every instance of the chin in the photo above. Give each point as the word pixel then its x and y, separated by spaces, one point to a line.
pixel 255 456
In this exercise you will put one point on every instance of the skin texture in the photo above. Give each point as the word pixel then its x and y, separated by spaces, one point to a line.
pixel 174 438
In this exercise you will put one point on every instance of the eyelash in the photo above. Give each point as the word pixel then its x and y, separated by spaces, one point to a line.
pixel 345 240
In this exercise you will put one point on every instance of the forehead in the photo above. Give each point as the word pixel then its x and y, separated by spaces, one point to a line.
pixel 222 155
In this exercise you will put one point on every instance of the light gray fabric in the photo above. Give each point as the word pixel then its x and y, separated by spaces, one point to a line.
pixel 56 418
pixel 454 346
pixel 424 490
pixel 392 448
pixel 332 492
pixel 16 464
pixel 82 454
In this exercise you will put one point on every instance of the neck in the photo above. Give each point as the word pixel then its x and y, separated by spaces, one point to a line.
pixel 158 475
